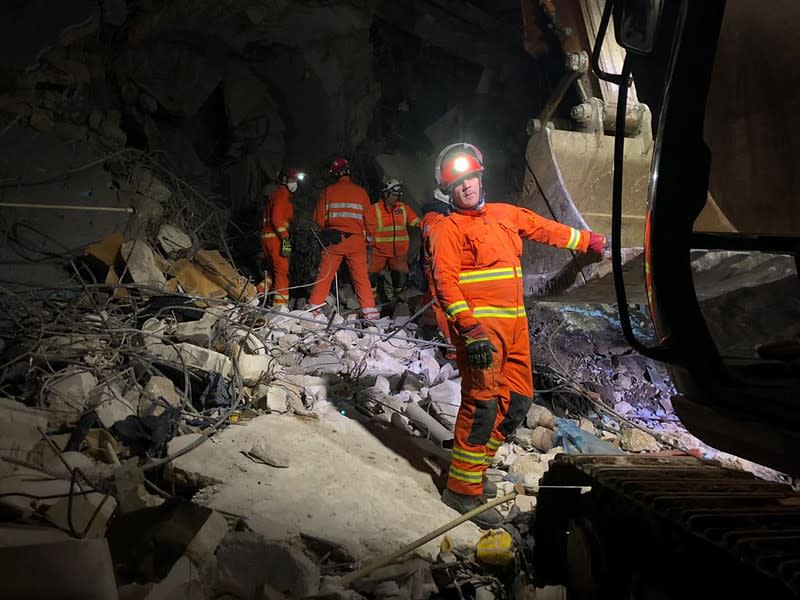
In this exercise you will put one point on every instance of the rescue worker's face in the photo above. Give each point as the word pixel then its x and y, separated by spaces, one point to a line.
pixel 292 185
pixel 467 194
pixel 392 199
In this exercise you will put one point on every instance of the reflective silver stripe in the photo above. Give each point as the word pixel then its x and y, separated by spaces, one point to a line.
pixel 266 236
pixel 574 239
pixel 499 312
pixel 345 205
pixel 346 215
pixel 282 229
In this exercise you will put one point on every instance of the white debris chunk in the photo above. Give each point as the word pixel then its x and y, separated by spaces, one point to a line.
pixel 446 400
pixel 195 356
pixel 173 239
pixel 272 397
pixel 140 263
pixel 530 469
pixel 67 396
pixel 255 367
pixel 161 387
pixel 19 428
pixel 111 406
pixel 197 332
pixel 202 547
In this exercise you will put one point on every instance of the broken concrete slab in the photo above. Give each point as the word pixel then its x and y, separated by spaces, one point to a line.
pixel 20 428
pixel 160 387
pixel 253 368
pixel 59 570
pixel 246 562
pixel 173 239
pixel 146 183
pixel 445 399
pixel 269 455
pixel 112 406
pixel 183 581
pixel 63 464
pixel 540 415
pixel 141 265
pixel 66 397
pixel 87 514
pixel 636 440
pixel 529 468
pixel 199 332
pixel 202 547
pixel 271 397
pixel 355 516
pixel 195 356
pixel 203 466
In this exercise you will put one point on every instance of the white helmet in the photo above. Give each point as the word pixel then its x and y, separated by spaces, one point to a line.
pixel 392 185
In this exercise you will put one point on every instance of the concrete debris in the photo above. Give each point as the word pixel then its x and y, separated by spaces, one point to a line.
pixel 20 428
pixel 59 570
pixel 268 455
pixel 141 265
pixel 66 397
pixel 86 514
pixel 189 355
pixel 197 332
pixel 445 399
pixel 539 415
pixel 272 397
pixel 159 387
pixel 202 547
pixel 636 440
pixel 64 464
pixel 147 184
pixel 111 406
pixel 254 368
pixel 172 239
pixel 201 467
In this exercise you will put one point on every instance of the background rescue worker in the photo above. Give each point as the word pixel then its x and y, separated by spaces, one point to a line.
pixel 390 238
pixel 433 212
pixel 344 214
pixel 278 213
pixel 477 277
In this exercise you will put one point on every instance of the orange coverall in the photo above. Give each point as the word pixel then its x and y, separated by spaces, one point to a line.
pixel 390 236
pixel 278 213
pixel 345 207
pixel 428 221
pixel 477 278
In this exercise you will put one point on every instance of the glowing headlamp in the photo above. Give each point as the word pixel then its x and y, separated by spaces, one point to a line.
pixel 461 164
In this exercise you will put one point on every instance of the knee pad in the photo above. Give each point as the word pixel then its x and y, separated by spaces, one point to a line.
pixel 517 410
pixel 483 422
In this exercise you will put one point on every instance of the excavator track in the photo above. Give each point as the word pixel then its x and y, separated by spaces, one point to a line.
pixel 635 526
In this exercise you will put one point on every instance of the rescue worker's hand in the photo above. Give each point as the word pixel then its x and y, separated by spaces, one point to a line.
pixel 286 247
pixel 597 243
pixel 479 348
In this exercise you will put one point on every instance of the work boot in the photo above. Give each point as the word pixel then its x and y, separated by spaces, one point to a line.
pixel 489 487
pixel 488 519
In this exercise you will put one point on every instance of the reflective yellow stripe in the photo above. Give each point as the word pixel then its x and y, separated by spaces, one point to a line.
pixel 266 236
pixel 478 459
pixel 399 238
pixel 499 312
pixel 574 239
pixel 466 476
pixel 493 443
pixel 282 229
pixel 415 222
pixel 456 307
pixel 489 274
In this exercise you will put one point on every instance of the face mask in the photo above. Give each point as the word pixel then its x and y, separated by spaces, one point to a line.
pixel 292 185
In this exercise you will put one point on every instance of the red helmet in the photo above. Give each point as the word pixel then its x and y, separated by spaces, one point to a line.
pixel 340 166
pixel 290 175
pixel 455 163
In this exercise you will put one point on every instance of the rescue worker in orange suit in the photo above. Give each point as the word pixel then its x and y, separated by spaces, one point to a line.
pixel 275 240
pixel 433 212
pixel 344 215
pixel 390 240
pixel 477 277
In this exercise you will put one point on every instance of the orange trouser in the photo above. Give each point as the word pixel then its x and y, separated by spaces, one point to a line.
pixel 278 268
pixel 378 263
pixel 353 249
pixel 494 401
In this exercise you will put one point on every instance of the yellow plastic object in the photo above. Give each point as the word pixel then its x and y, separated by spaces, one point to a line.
pixel 496 547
